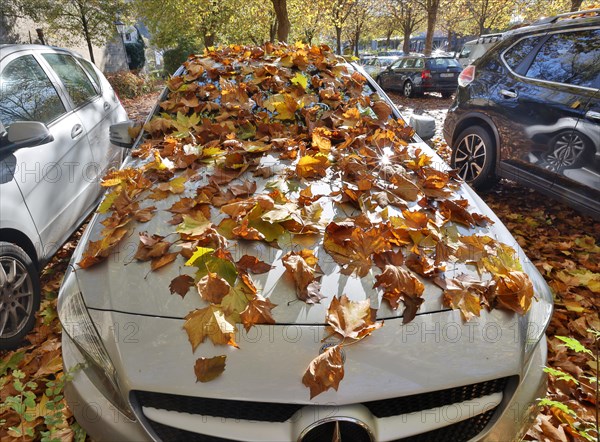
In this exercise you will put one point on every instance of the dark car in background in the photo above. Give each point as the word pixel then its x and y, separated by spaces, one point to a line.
pixel 529 110
pixel 415 75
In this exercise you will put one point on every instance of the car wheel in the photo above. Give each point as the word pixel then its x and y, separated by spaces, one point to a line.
pixel 446 94
pixel 474 156
pixel 19 295
pixel 408 89
pixel 568 151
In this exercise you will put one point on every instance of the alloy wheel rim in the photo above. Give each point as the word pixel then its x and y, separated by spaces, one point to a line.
pixel 567 149
pixel 16 296
pixel 470 157
pixel 407 89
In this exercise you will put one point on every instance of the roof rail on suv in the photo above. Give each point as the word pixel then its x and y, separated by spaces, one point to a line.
pixel 574 14
pixel 489 38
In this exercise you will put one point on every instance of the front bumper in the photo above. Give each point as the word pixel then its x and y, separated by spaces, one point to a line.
pixel 508 412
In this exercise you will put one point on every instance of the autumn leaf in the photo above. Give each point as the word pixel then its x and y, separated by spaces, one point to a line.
pixel 194 225
pixel 514 291
pixel 209 322
pixel 213 288
pixel 236 301
pixel 351 319
pixel 353 247
pixel 304 267
pixel 207 369
pixel 162 261
pixel 258 311
pixel 181 285
pixel 252 264
pixel 151 246
pixel 325 371
pixel 399 283
pixel 98 251
pixel 312 166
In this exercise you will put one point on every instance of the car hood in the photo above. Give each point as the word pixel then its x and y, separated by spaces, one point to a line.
pixel 126 285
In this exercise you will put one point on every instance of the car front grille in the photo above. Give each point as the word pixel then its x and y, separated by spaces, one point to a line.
pixel 246 410
pixel 280 412
pixel 459 432
pixel 426 401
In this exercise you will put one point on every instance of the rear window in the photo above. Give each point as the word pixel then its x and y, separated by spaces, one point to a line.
pixel 442 63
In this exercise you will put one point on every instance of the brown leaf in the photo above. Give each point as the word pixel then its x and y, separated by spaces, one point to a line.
pixel 158 263
pixel 303 267
pixel 213 288
pixel 258 311
pixel 252 264
pixel 151 247
pixel 398 283
pixel 181 285
pixel 325 371
pixel 209 322
pixel 207 369
pixel 351 319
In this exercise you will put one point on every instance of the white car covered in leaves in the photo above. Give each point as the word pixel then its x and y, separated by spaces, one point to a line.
pixel 282 259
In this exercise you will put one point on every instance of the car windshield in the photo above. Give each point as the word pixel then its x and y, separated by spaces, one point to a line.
pixel 443 63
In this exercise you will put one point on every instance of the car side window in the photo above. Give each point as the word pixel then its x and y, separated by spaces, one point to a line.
pixel 27 94
pixel 398 64
pixel 569 58
pixel 91 71
pixel 77 83
pixel 410 63
pixel 419 63
pixel 519 51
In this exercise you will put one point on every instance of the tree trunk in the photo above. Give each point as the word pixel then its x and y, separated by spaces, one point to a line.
pixel 576 5
pixel 209 39
pixel 431 19
pixel 356 39
pixel 283 22
pixel 86 32
pixel 338 38
pixel 406 44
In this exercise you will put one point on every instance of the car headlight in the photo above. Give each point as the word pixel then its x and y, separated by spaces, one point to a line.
pixel 78 325
pixel 540 313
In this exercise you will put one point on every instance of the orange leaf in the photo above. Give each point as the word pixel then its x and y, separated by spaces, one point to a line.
pixel 209 322
pixel 258 311
pixel 213 288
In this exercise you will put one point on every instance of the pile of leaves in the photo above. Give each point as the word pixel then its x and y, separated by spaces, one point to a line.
pixel 32 405
pixel 563 245
pixel 275 143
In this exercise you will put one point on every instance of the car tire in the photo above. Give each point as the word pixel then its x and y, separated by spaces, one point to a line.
pixel 474 157
pixel 408 90
pixel 568 150
pixel 19 295
pixel 446 94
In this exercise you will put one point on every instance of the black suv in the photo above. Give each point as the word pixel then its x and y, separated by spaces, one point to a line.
pixel 415 75
pixel 529 110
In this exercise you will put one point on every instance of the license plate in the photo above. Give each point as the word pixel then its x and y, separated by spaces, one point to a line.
pixel 447 75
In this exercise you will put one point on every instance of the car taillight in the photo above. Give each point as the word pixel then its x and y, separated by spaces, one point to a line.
pixel 426 74
pixel 466 76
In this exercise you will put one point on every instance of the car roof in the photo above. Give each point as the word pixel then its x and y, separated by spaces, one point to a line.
pixel 8 49
pixel 559 22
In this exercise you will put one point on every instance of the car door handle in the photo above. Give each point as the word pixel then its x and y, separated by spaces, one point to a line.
pixel 106 106
pixel 508 93
pixel 593 115
pixel 76 131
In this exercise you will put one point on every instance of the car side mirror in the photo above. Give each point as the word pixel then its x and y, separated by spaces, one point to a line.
pixel 119 134
pixel 424 126
pixel 22 134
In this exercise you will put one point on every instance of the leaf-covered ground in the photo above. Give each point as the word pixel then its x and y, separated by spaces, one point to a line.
pixel 560 242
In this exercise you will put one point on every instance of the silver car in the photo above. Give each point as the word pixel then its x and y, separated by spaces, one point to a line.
pixel 425 374
pixel 55 111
